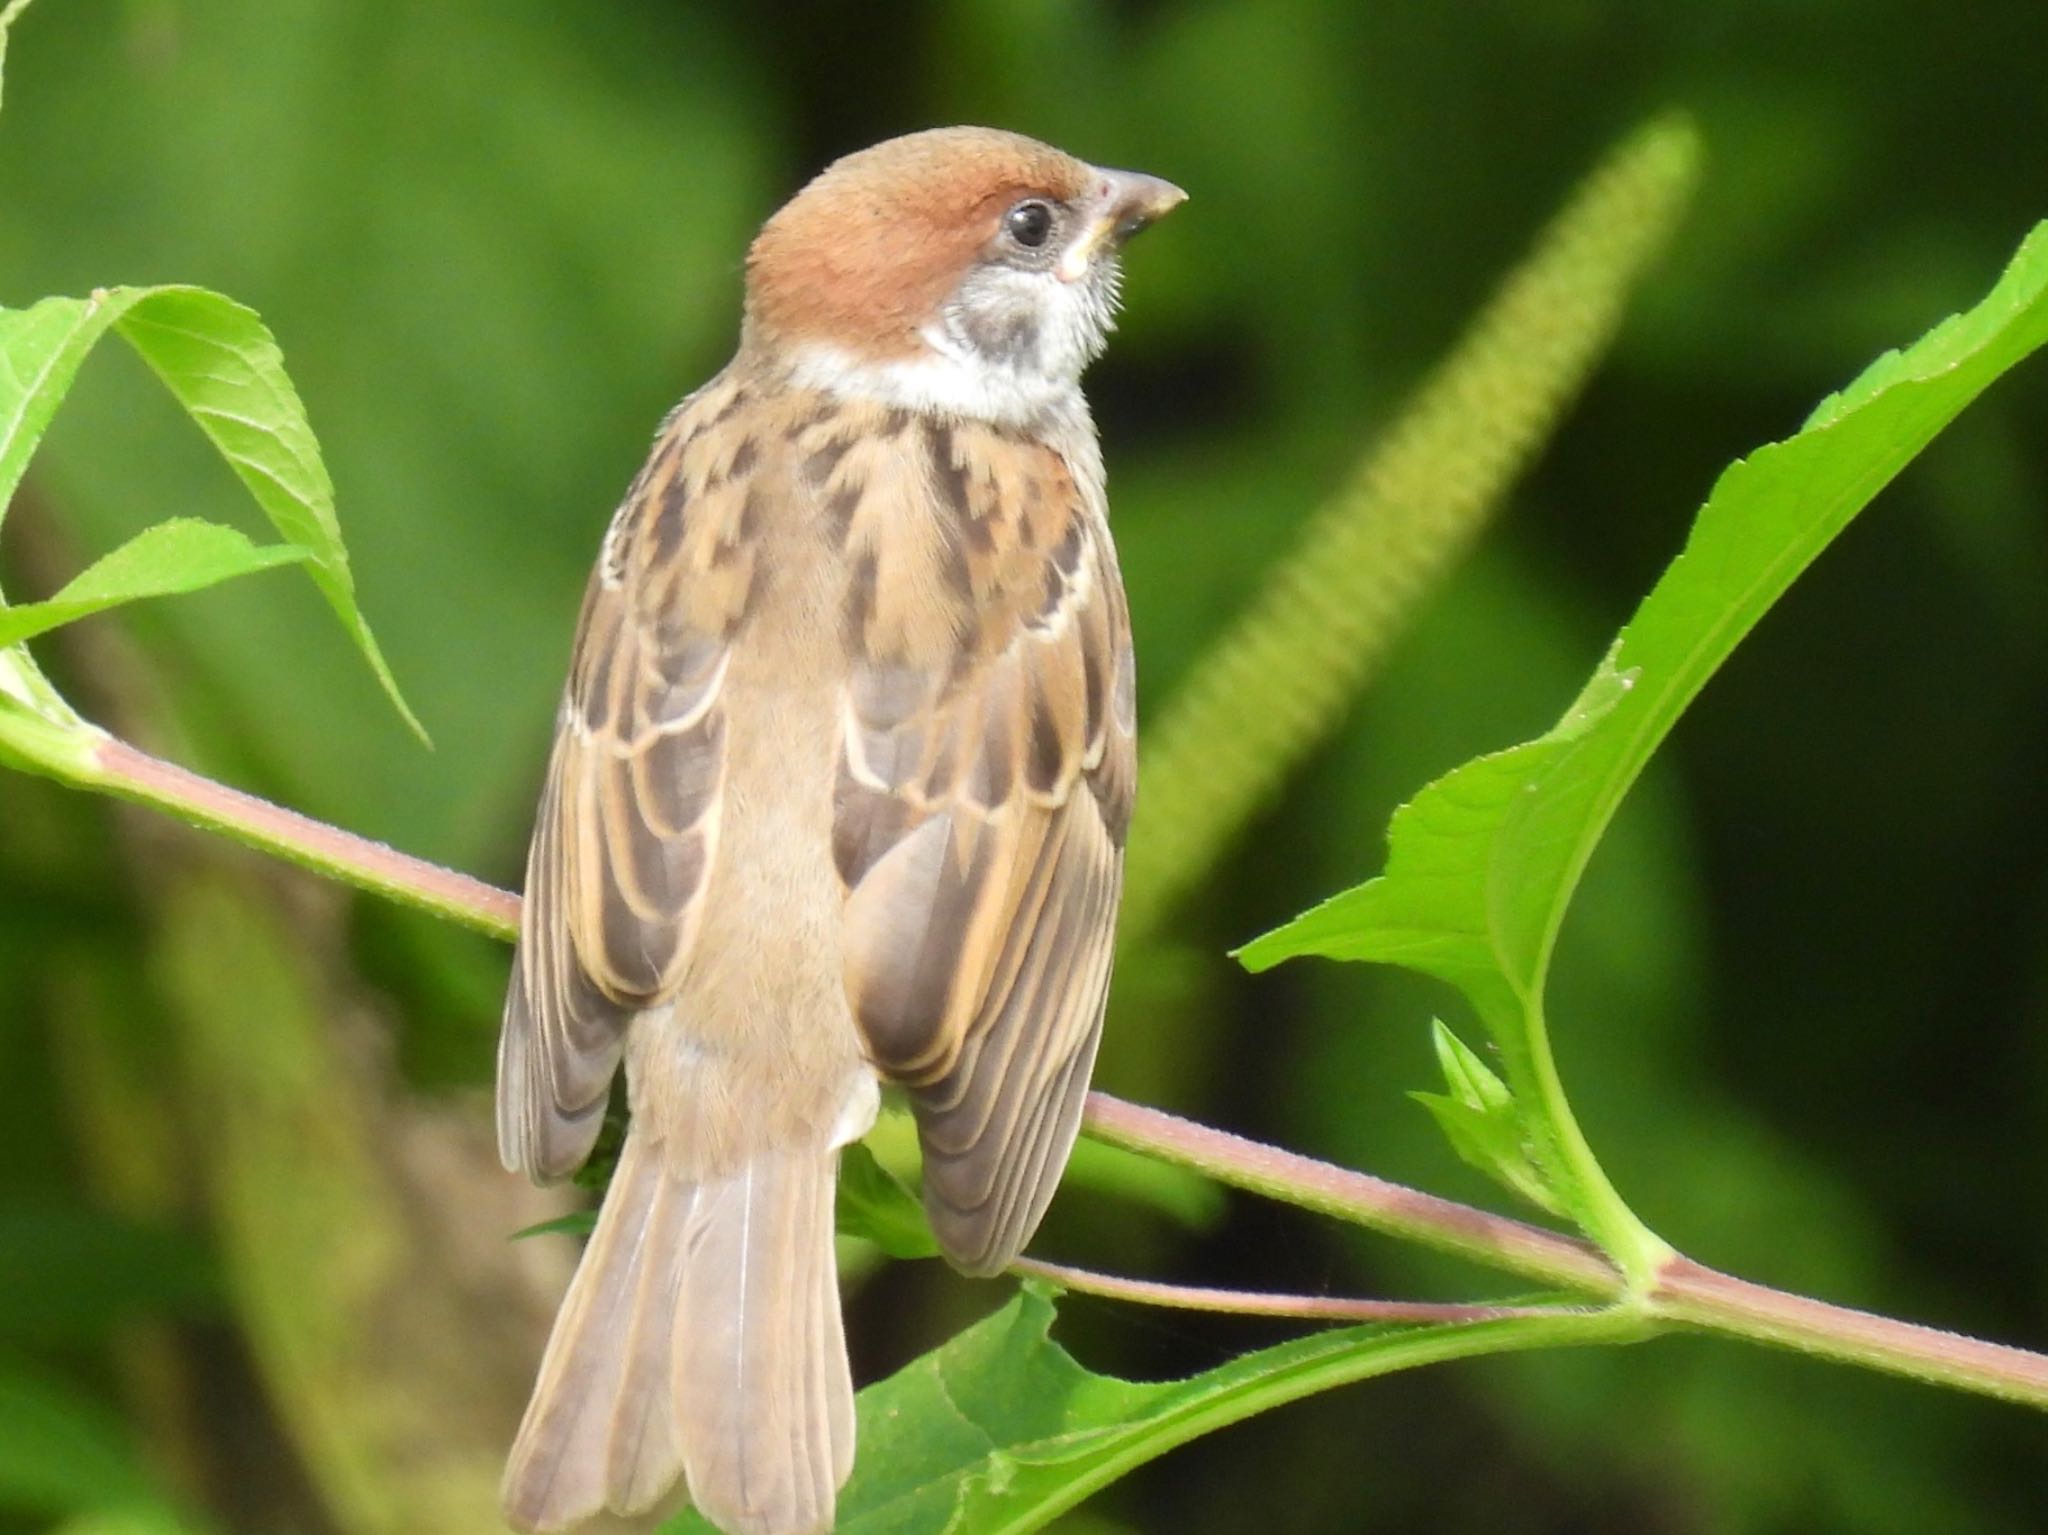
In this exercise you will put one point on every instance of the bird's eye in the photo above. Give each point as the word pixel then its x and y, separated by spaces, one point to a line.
pixel 1029 224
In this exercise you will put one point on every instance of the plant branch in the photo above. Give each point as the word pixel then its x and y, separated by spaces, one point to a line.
pixel 1494 1240
pixel 1312 1308
pixel 135 775
pixel 1703 1298
pixel 1684 1293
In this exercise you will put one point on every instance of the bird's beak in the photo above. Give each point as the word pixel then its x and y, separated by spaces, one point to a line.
pixel 1125 202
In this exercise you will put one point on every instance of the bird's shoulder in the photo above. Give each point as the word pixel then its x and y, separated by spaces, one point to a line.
pixel 947 535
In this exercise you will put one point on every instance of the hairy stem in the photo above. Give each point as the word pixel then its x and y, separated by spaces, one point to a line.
pixel 1599 1208
pixel 1312 1308
pixel 1444 1224
pixel 135 775
pixel 1702 1298
pixel 1682 1293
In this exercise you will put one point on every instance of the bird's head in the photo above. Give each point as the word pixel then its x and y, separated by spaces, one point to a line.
pixel 963 269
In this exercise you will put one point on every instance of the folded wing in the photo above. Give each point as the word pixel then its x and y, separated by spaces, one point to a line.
pixel 628 823
pixel 980 814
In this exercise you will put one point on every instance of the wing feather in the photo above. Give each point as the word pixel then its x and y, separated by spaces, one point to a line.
pixel 979 825
pixel 628 822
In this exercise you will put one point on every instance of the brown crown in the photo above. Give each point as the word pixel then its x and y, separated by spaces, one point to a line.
pixel 865 254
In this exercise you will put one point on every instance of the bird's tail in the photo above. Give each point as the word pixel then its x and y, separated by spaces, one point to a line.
pixel 701 1336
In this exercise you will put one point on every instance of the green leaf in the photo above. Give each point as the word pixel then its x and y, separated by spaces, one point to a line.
pixel 61 1453
pixel 1000 1430
pixel 40 350
pixel 221 363
pixel 1481 1121
pixel 876 1204
pixel 1483 862
pixel 182 555
pixel 1491 1143
pixel 1470 1079
pixel 577 1223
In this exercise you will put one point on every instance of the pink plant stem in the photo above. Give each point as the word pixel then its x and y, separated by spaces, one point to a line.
pixel 329 850
pixel 1496 1240
pixel 1701 1297
pixel 1681 1292
pixel 1313 1308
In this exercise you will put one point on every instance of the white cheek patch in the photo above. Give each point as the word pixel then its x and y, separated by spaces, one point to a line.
pixel 1043 323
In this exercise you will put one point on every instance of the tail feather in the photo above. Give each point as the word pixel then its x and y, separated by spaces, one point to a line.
pixel 642 1457
pixel 556 1473
pixel 701 1336
pixel 762 1384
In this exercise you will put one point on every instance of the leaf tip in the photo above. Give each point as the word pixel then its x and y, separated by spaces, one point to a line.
pixel 1261 953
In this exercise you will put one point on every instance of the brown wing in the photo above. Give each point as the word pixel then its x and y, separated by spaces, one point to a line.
pixel 979 823
pixel 628 821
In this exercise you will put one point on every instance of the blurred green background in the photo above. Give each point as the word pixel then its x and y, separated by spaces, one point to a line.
pixel 1802 1000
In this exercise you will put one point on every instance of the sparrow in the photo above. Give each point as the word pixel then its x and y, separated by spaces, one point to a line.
pixel 838 796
